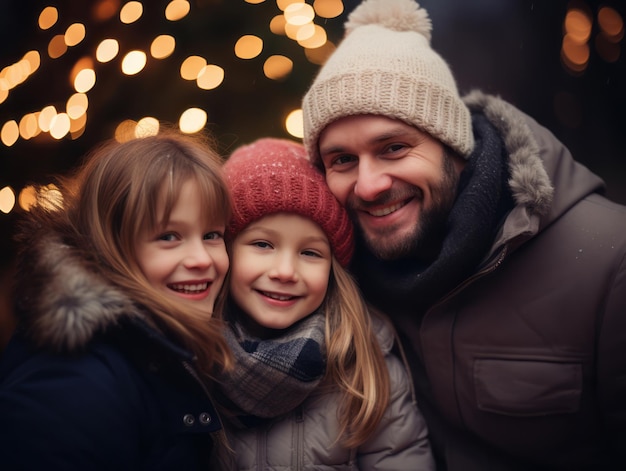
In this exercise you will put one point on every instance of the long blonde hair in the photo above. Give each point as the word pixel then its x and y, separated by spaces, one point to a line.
pixel 113 196
pixel 355 360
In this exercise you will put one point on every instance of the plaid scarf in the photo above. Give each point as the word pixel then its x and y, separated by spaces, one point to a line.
pixel 273 376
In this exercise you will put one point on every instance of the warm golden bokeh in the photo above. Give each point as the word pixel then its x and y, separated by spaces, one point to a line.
pixel 192 120
pixel 109 40
pixel 107 50
pixel 74 34
pixel 191 67
pixel 210 77
pixel 131 12
pixel 48 18
pixel 7 199
pixel 277 67
pixel 328 8
pixel 163 46
pixel 134 62
pixel 248 46
pixel 177 9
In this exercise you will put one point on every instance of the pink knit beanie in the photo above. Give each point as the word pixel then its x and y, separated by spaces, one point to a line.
pixel 274 175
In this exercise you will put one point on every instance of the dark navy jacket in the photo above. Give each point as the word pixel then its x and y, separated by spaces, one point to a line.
pixel 103 390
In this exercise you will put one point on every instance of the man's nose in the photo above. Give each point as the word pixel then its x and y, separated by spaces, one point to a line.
pixel 372 180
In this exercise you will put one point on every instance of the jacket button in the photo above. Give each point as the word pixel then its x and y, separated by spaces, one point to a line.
pixel 188 420
pixel 205 418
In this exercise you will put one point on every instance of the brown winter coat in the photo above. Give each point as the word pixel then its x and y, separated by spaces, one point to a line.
pixel 526 359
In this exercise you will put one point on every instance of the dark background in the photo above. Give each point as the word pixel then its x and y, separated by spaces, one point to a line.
pixel 510 48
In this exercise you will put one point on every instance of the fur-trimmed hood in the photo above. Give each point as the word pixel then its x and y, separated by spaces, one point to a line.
pixel 61 302
pixel 536 160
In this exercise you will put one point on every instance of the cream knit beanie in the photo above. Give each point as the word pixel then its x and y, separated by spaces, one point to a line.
pixel 385 66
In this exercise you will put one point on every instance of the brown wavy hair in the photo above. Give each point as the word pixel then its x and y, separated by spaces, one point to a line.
pixel 113 197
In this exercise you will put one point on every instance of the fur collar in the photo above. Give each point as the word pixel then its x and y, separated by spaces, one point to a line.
pixel 529 182
pixel 62 303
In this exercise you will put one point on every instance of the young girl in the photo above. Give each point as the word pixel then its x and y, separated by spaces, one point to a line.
pixel 115 292
pixel 314 384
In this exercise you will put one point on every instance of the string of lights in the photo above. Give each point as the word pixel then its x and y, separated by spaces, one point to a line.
pixel 294 20
pixel 121 69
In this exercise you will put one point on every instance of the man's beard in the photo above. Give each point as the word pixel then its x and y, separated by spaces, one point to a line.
pixel 424 240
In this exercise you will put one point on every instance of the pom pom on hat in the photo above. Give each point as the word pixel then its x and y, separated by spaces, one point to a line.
pixel 272 176
pixel 397 16
pixel 385 66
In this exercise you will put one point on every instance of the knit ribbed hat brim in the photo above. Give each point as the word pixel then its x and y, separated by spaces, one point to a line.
pixel 385 66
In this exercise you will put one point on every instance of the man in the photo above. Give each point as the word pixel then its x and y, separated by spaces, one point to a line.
pixel 494 253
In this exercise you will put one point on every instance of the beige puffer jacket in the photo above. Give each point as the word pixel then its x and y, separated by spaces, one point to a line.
pixel 305 438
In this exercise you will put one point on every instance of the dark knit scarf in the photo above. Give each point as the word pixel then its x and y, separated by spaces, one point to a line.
pixel 273 376
pixel 408 287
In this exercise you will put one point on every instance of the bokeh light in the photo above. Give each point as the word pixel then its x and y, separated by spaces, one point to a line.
pixel 294 123
pixel 328 8
pixel 299 13
pixel 125 131
pixel 9 133
pixel 60 125
pixel 191 67
pixel 189 57
pixel 28 126
pixel 57 46
pixel 163 46
pixel 283 4
pixel 134 62
pixel 148 126
pixel 192 120
pixel 277 67
pixel 210 76
pixel 578 25
pixel 611 23
pixel 77 105
pixel 177 9
pixel 50 197
pixel 131 12
pixel 107 50
pixel 7 199
pixel 104 10
pixel 248 46
pixel 48 18
pixel 85 80
pixel 27 197
pixel 277 25
pixel 45 117
pixel 74 34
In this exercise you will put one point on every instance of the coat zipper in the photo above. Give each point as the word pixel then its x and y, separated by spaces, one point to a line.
pixel 261 448
pixel 479 274
pixel 484 271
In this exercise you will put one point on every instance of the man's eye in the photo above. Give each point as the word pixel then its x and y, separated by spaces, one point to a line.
pixel 395 147
pixel 344 159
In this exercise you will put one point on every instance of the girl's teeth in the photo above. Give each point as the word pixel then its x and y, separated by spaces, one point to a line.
pixel 277 296
pixel 190 289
